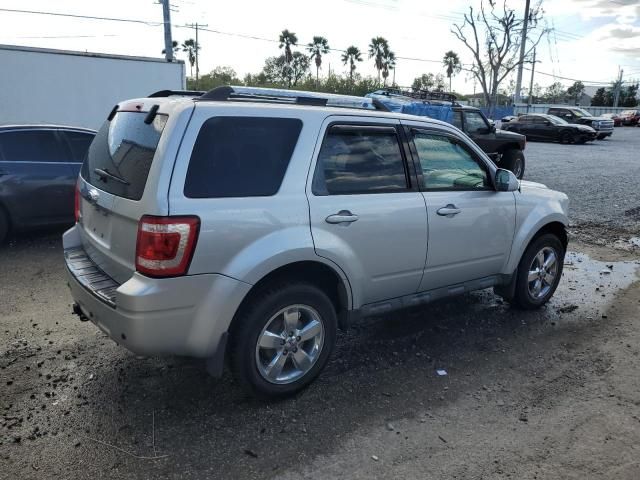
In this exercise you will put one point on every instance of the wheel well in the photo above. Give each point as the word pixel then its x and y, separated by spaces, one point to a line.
pixel 315 273
pixel 556 228
pixel 510 146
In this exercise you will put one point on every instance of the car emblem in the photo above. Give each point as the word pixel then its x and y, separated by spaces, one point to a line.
pixel 94 195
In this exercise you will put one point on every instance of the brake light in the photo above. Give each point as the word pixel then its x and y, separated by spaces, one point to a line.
pixel 165 245
pixel 76 201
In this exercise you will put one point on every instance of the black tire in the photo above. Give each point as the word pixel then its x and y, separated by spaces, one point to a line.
pixel 580 140
pixel 4 226
pixel 514 160
pixel 253 318
pixel 566 137
pixel 602 137
pixel 523 297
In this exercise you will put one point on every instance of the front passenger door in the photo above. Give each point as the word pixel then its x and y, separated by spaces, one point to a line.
pixel 471 226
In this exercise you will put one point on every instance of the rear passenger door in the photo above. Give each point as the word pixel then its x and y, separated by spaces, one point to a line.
pixel 38 182
pixel 367 214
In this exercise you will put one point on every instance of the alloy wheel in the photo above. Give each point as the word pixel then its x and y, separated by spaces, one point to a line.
pixel 542 273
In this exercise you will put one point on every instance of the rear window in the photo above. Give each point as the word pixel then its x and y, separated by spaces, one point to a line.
pixel 121 154
pixel 241 156
pixel 79 143
pixel 33 146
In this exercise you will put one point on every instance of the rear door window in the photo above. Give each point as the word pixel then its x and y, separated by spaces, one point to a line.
pixel 360 160
pixel 120 157
pixel 241 156
pixel 79 143
pixel 33 146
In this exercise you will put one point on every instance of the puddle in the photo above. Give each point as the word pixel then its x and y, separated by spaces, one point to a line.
pixel 590 283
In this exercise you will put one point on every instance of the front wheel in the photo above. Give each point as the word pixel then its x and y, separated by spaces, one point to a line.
pixel 566 137
pixel 283 339
pixel 4 226
pixel 539 272
pixel 514 160
pixel 602 137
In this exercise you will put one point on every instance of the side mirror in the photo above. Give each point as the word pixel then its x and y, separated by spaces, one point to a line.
pixel 506 181
pixel 492 127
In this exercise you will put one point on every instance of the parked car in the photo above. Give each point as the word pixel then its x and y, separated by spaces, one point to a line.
pixel 39 166
pixel 617 119
pixel 246 225
pixel 602 125
pixel 504 148
pixel 538 126
pixel 630 117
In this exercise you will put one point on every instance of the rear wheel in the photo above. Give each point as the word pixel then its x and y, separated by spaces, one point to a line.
pixel 514 160
pixel 283 339
pixel 4 226
pixel 539 272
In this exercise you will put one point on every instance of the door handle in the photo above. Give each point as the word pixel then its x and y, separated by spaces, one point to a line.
pixel 449 211
pixel 343 216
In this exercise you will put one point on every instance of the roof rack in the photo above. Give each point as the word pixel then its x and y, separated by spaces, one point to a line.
pixel 424 95
pixel 182 93
pixel 275 95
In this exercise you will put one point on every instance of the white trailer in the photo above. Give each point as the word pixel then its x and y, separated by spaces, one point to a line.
pixel 40 85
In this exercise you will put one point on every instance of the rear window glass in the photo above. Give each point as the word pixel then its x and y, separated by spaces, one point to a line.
pixel 33 146
pixel 79 143
pixel 241 156
pixel 121 154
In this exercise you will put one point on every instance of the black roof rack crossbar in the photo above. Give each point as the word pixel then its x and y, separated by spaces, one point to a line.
pixel 183 93
pixel 227 93
pixel 425 95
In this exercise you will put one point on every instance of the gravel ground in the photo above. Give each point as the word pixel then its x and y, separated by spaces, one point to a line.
pixel 548 394
pixel 601 177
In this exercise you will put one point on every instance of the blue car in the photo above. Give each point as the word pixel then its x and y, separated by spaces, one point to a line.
pixel 39 166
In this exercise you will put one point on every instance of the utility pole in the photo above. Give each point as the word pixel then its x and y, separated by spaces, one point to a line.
pixel 618 87
pixel 197 26
pixel 168 42
pixel 523 42
pixel 533 69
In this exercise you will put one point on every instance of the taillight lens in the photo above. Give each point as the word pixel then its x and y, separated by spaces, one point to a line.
pixel 165 245
pixel 76 203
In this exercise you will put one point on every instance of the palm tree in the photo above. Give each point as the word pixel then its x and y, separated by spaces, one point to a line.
pixel 287 40
pixel 452 63
pixel 318 47
pixel 388 63
pixel 174 48
pixel 377 47
pixel 189 46
pixel 351 56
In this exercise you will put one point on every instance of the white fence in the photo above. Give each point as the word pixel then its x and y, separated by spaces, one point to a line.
pixel 543 107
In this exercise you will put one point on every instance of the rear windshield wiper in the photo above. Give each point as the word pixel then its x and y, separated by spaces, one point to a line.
pixel 104 174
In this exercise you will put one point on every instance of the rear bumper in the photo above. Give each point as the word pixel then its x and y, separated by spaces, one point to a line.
pixel 187 315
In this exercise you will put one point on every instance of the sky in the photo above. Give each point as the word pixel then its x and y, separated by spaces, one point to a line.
pixel 590 39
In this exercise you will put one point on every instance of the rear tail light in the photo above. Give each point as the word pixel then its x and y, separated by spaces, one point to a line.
pixel 76 206
pixel 165 245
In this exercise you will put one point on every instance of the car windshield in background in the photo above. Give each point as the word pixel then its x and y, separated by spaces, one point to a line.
pixel 556 120
pixel 120 157
pixel 579 112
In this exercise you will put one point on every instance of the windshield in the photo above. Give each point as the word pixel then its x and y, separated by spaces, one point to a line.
pixel 557 120
pixel 120 156
pixel 580 112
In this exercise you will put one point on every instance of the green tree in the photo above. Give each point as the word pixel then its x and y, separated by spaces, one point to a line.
pixel 388 63
pixel 351 56
pixel 318 47
pixel 377 49
pixel 189 47
pixel 278 71
pixel 452 64
pixel 555 93
pixel 575 91
pixel 598 99
pixel 630 96
pixel 217 77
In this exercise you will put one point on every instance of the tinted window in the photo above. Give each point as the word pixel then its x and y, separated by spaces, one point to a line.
pixel 474 122
pixel 33 146
pixel 359 160
pixel 525 120
pixel 457 119
pixel 123 147
pixel 79 143
pixel 447 165
pixel 540 120
pixel 241 156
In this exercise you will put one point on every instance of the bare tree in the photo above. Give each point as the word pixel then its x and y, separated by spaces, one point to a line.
pixel 493 36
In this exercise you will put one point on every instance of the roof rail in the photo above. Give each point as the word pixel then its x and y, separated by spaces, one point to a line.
pixel 424 95
pixel 183 93
pixel 275 95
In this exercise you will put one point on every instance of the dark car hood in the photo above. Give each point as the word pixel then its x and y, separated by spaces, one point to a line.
pixel 506 135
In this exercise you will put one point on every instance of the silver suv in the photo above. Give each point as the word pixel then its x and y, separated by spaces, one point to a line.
pixel 248 225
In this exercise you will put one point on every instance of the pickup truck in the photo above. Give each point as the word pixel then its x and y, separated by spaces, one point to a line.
pixel 602 125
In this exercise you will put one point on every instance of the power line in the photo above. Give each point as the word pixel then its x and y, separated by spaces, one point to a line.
pixel 89 17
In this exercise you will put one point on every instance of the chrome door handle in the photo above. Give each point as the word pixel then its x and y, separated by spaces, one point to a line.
pixel 449 211
pixel 343 216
